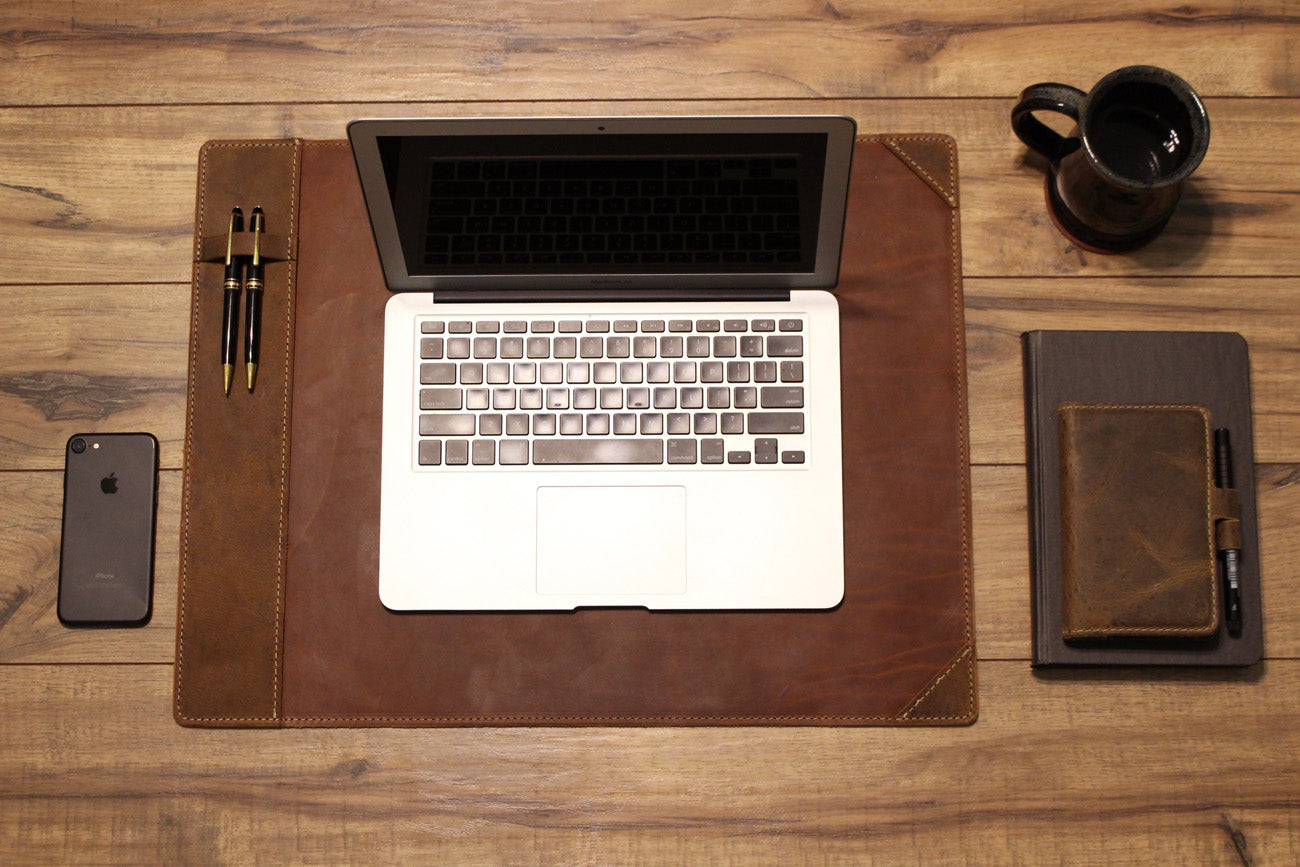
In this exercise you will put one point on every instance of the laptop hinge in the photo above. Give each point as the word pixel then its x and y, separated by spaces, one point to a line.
pixel 620 295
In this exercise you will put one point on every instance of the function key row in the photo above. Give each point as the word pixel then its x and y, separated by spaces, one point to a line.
pixel 604 326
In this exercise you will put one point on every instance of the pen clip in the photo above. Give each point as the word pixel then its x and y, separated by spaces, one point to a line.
pixel 258 224
pixel 236 225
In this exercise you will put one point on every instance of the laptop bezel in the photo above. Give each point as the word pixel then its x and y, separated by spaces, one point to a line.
pixel 365 135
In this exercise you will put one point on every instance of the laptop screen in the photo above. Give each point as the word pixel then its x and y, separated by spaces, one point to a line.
pixel 606 202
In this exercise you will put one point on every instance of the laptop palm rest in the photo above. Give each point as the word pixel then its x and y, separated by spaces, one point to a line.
pixel 614 543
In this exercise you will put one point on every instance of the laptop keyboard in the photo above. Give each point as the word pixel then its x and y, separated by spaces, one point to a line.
pixel 734 212
pixel 649 392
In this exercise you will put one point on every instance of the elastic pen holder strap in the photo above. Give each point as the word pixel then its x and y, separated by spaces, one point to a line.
pixel 1225 507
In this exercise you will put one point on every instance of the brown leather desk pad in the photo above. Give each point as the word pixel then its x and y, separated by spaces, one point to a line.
pixel 279 619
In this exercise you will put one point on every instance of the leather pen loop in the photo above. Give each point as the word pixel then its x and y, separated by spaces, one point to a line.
pixel 1047 96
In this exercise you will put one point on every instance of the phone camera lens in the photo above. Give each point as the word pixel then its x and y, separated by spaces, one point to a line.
pixel 78 445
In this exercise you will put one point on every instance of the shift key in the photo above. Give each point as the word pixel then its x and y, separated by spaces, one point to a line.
pixel 776 422
pixel 446 424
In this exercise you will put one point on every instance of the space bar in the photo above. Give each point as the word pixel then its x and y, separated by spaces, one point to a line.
pixel 598 451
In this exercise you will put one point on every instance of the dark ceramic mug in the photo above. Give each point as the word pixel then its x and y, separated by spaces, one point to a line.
pixel 1115 179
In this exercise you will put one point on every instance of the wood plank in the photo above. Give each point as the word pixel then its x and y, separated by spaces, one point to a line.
pixel 1265 311
pixel 30 505
pixel 1101 767
pixel 71 52
pixel 90 359
pixel 118 206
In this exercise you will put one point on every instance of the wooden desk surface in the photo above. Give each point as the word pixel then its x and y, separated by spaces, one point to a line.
pixel 104 107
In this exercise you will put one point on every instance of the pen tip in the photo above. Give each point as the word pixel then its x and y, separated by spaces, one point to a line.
pixel 252 375
pixel 228 370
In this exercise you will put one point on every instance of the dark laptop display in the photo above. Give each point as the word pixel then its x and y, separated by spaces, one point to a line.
pixel 582 203
pixel 577 205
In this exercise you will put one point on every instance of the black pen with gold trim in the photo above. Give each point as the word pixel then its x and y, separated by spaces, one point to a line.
pixel 254 284
pixel 230 311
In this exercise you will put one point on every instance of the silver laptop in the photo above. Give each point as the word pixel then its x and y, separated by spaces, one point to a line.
pixel 611 361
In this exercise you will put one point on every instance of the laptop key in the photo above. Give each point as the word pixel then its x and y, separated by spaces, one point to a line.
pixel 441 373
pixel 539 347
pixel 681 451
pixel 776 422
pixel 430 453
pixel 457 452
pixel 513 452
pixel 603 451
pixel 712 451
pixel 446 424
pixel 781 397
pixel 784 345
pixel 441 398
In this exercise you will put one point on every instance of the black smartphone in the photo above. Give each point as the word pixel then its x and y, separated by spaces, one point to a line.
pixel 110 498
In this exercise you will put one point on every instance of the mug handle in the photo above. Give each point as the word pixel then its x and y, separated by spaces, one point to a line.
pixel 1047 96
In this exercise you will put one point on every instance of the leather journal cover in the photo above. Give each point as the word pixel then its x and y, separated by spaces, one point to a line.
pixel 1137 522
pixel 1128 517
pixel 286 629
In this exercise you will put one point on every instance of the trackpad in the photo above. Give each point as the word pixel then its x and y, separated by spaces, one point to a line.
pixel 610 541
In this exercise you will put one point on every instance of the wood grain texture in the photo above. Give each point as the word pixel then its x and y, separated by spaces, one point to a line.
pixel 87 359
pixel 1053 767
pixel 103 107
pixel 1266 311
pixel 72 52
pixel 76 208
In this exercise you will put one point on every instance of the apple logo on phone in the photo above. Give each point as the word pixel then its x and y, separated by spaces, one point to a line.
pixel 108 484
